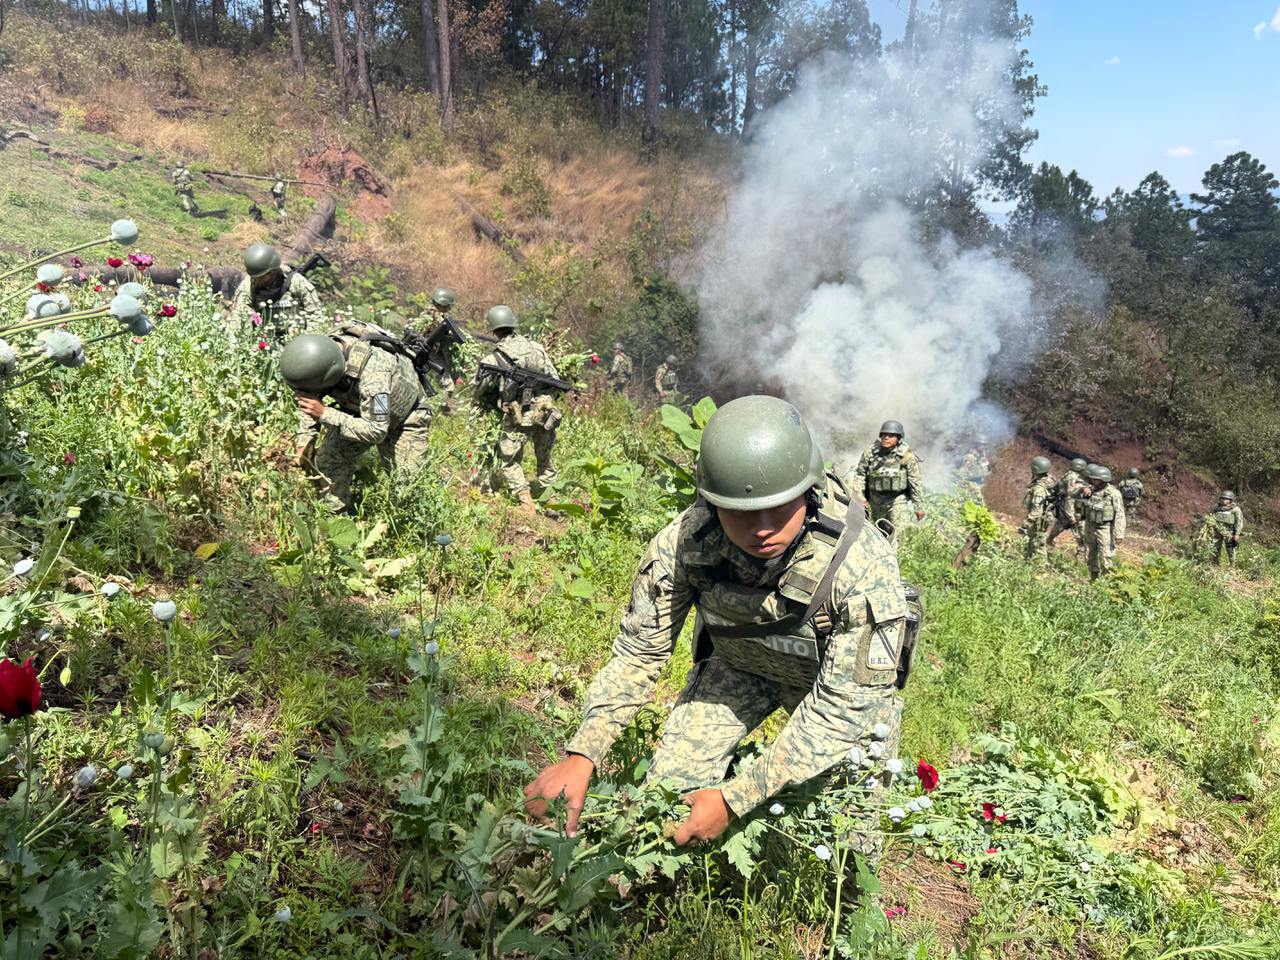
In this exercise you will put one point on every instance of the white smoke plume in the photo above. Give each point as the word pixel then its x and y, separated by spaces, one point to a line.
pixel 819 280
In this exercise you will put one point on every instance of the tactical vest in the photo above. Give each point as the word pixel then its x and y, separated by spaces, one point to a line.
pixel 359 340
pixel 887 475
pixel 669 379
pixel 1225 517
pixel 1099 509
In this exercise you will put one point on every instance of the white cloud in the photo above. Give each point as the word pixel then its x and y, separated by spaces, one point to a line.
pixel 1226 144
pixel 1112 62
pixel 1263 26
pixel 1180 151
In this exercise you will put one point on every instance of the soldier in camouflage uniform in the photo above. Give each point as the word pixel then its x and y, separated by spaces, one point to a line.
pixel 180 177
pixel 284 300
pixel 620 370
pixel 1038 501
pixel 1224 524
pixel 1104 520
pixel 378 401
pixel 770 538
pixel 1131 492
pixel 1069 508
pixel 442 301
pixel 887 477
pixel 277 194
pixel 527 413
pixel 665 380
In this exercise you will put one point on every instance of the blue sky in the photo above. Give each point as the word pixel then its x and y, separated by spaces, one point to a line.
pixel 1136 86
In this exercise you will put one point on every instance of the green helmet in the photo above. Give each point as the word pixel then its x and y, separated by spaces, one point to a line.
pixel 442 298
pixel 1099 472
pixel 757 453
pixel 1228 495
pixel 1040 466
pixel 1079 464
pixel 1133 472
pixel 260 259
pixel 617 345
pixel 312 363
pixel 671 359
pixel 501 317
pixel 893 428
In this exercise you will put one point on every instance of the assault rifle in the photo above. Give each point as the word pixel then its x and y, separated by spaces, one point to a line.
pixel 525 379
pixel 430 350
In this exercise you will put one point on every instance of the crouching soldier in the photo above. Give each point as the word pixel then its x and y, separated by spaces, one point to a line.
pixel 799 608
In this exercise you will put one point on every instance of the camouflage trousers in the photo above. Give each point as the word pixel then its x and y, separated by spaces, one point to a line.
pixel 890 515
pixel 720 705
pixel 187 200
pixel 1100 546
pixel 1037 537
pixel 1062 524
pixel 511 444
pixel 1221 540
pixel 335 457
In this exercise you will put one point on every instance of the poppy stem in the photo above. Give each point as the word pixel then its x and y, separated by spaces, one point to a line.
pixel 27 326
pixel 14 296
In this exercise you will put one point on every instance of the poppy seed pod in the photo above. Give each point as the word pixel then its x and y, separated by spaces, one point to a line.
pixel 64 348
pixel 393 633
pixel 8 360
pixel 897 814
pixel 924 802
pixel 110 589
pixel 164 610
pixel 64 304
pixel 154 740
pixel 881 731
pixel 140 326
pixel 41 305
pixel 23 567
pixel 822 852
pixel 135 290
pixel 776 809
pixel 124 308
pixel 49 273
pixel 85 777
pixel 125 772
pixel 856 755
pixel 124 231
pixel 875 750
pixel 431 648
pixel 893 765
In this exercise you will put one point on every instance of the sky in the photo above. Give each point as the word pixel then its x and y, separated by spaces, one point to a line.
pixel 1136 85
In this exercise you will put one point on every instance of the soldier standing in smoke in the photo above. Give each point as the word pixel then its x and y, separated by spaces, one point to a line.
pixel 771 533
pixel 887 477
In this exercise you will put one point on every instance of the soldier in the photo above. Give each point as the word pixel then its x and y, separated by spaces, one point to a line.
pixel 277 194
pixel 1131 492
pixel 285 301
pixel 1068 506
pixel 620 370
pixel 772 539
pixel 378 400
pixel 442 301
pixel 180 177
pixel 1225 523
pixel 665 380
pixel 887 476
pixel 1104 520
pixel 528 413
pixel 1038 501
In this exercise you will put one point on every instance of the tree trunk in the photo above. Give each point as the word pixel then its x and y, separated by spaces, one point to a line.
pixel 364 76
pixel 173 9
pixel 431 48
pixel 340 63
pixel 653 74
pixel 750 67
pixel 295 37
pixel 151 12
pixel 219 14
pixel 446 61
pixel 268 19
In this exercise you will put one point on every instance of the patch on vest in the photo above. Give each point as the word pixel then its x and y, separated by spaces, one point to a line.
pixel 381 407
pixel 882 651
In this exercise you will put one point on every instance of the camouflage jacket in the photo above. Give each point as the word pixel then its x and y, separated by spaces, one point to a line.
pixel 277 189
pixel 621 369
pixel 376 394
pixel 1105 506
pixel 1036 500
pixel 1130 488
pixel 975 467
pixel 665 379
pixel 692 563
pixel 521 407
pixel 888 474
pixel 1229 521
pixel 1070 502
pixel 297 308
pixel 181 178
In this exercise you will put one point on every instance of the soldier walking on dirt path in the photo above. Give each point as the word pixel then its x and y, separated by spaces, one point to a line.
pixel 771 539
pixel 1039 504
pixel 1224 524
pixel 184 187
pixel 277 194
pixel 887 476
pixel 1104 520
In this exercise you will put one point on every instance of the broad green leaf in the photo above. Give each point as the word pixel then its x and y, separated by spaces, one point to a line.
pixel 702 411
pixel 206 550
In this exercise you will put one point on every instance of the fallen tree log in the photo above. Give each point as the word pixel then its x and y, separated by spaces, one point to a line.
pixel 487 228
pixel 225 280
pixel 8 136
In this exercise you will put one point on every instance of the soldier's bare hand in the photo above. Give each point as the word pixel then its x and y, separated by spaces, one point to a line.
pixel 312 407
pixel 570 779
pixel 708 816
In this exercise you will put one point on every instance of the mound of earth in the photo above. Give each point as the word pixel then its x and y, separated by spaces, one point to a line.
pixel 343 167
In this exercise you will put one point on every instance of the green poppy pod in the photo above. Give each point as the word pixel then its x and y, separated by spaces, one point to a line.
pixel 41 305
pixel 135 290
pixel 64 348
pixel 49 273
pixel 63 302
pixel 140 326
pixel 125 308
pixel 124 232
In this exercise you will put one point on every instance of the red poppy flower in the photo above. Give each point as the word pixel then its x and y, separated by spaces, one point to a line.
pixel 928 775
pixel 168 310
pixel 97 288
pixel 68 458
pixel 993 850
pixel 262 345
pixel 19 689
pixel 595 358
pixel 989 814
pixel 958 866
pixel 141 260
pixel 75 262
pixel 44 287
pixel 114 262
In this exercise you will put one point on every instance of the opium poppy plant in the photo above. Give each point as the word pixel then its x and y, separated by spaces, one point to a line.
pixel 19 689
pixel 928 775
